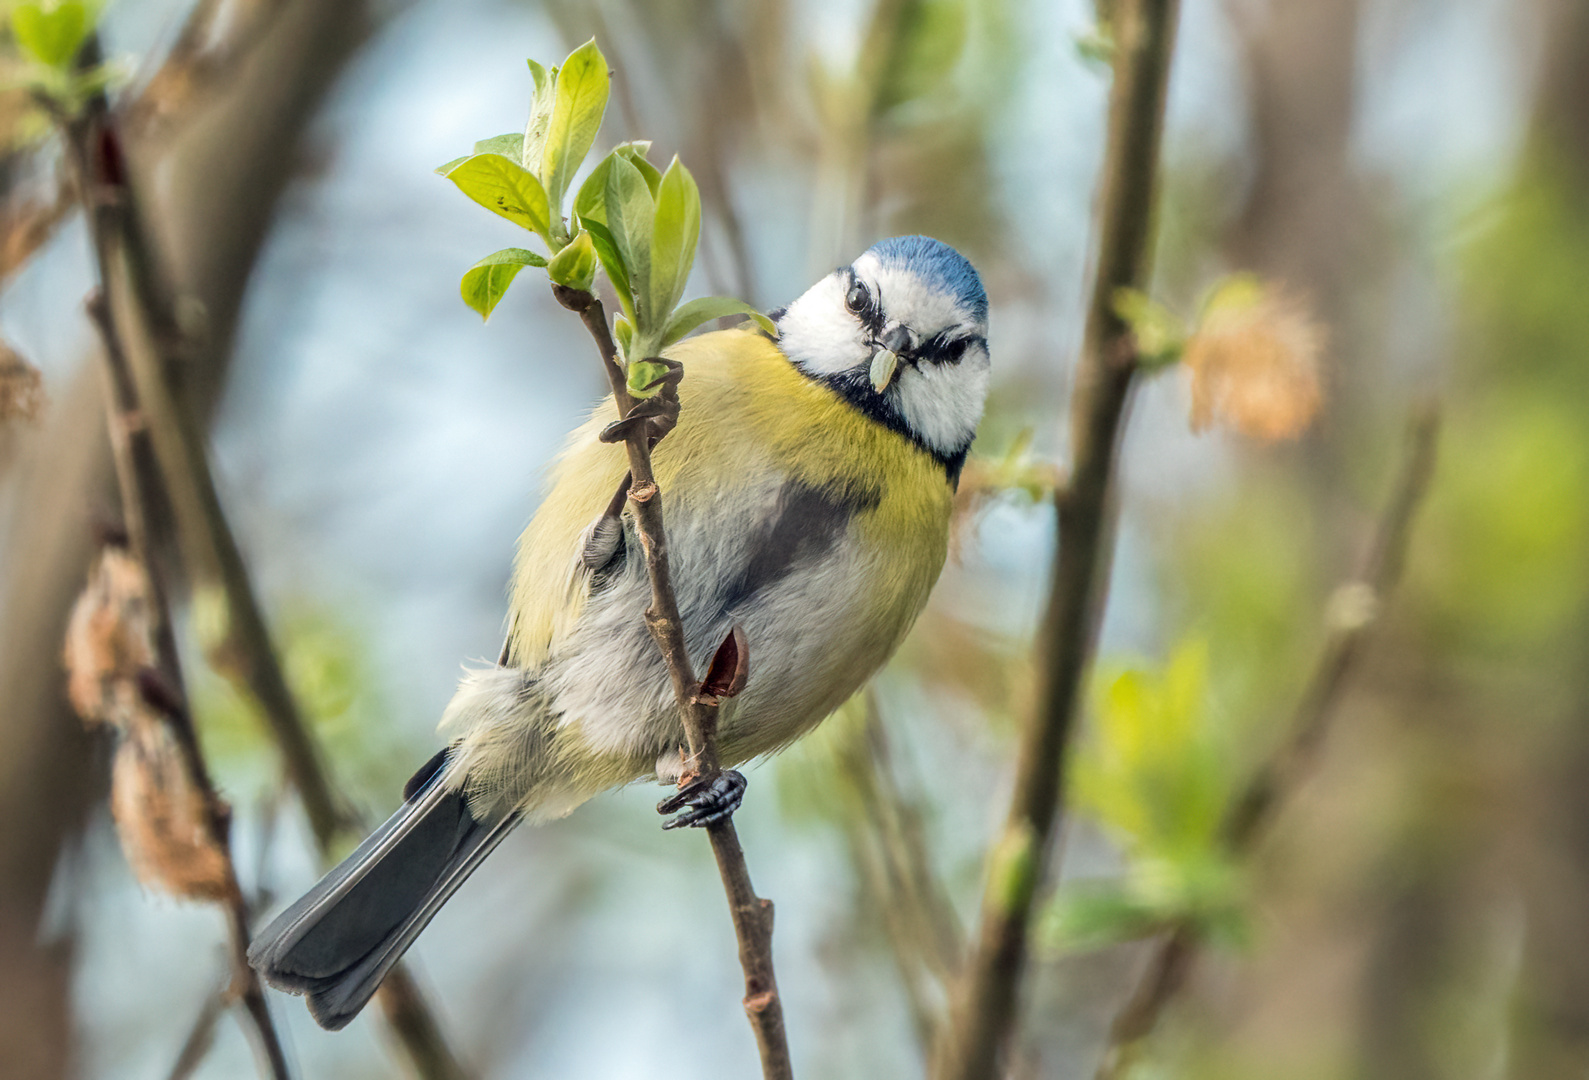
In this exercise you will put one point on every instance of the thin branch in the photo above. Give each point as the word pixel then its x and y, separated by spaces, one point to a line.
pixel 752 915
pixel 1356 608
pixel 887 843
pixel 140 483
pixel 986 1007
pixel 201 1036
pixel 171 453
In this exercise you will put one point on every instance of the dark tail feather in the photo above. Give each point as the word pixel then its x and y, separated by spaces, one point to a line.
pixel 338 942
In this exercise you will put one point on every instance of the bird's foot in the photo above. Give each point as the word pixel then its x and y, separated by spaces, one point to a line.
pixel 705 800
pixel 658 414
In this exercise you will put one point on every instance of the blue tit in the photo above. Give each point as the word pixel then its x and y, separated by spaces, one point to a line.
pixel 808 488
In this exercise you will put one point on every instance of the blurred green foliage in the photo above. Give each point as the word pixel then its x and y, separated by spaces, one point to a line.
pixel 49 34
pixel 1502 572
pixel 328 666
pixel 1155 769
pixel 1243 574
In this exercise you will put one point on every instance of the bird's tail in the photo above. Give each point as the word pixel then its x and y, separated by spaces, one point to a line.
pixel 338 942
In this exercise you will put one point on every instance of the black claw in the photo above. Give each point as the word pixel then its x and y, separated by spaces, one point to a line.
pixel 660 415
pixel 705 800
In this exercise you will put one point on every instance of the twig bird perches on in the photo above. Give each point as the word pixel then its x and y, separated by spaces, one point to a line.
pixel 808 484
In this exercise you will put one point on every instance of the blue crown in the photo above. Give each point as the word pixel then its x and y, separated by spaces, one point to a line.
pixel 938 263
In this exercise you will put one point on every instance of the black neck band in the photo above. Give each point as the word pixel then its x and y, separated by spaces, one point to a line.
pixel 856 389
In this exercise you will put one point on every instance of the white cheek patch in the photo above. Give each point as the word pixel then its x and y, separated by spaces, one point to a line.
pixel 943 403
pixel 820 334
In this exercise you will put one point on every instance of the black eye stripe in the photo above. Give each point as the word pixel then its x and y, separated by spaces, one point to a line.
pixel 945 350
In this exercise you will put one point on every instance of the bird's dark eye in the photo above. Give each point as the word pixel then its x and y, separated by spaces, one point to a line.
pixel 859 298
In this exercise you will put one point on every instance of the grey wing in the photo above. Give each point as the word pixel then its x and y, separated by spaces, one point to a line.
pixel 778 558
pixel 801 528
pixel 799 587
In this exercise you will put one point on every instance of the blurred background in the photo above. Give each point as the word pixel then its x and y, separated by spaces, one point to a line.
pixel 1412 174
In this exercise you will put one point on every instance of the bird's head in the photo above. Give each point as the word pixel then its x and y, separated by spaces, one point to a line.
pixel 901 333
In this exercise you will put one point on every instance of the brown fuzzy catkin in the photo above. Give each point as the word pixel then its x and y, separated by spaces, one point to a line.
pixel 1254 365
pixel 161 814
pixel 21 387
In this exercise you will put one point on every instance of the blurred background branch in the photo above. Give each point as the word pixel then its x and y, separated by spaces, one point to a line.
pixel 985 1008
pixel 1354 609
pixel 144 322
pixel 142 784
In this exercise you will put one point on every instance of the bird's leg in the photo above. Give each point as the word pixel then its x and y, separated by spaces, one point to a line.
pixel 605 535
pixel 714 796
pixel 705 800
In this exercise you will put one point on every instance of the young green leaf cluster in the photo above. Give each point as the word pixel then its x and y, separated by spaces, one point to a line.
pixel 638 224
pixel 1155 772
pixel 49 35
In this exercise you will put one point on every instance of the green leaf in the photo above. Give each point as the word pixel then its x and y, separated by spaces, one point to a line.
pixel 510 146
pixel 580 100
pixel 533 148
pixel 1155 767
pixel 1160 334
pixel 630 213
pixel 590 204
pixel 1093 915
pixel 696 312
pixel 611 261
pixel 1235 292
pixel 1012 869
pixel 636 151
pixel 623 330
pixel 575 265
pixel 1097 45
pixel 50 33
pixel 675 233
pixel 642 373
pixel 443 170
pixel 487 281
pixel 504 187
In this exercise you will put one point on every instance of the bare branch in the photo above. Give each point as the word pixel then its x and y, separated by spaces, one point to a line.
pixel 752 915
pixel 201 1036
pixel 199 62
pixel 985 1010
pixel 99 185
pixel 1349 627
pixel 145 343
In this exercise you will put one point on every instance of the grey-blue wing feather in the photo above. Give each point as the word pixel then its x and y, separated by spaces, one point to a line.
pixel 339 940
pixel 800 528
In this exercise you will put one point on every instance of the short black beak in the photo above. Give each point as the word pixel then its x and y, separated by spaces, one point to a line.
pixel 896 339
